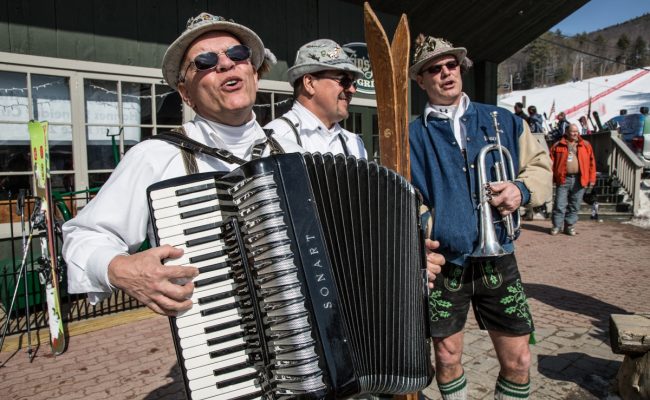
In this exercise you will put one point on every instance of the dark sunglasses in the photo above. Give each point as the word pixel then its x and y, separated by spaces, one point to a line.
pixel 210 60
pixel 345 81
pixel 435 69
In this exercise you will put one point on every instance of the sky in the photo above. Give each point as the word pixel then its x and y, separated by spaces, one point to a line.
pixel 598 14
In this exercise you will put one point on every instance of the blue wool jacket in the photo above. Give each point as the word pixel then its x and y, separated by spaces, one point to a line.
pixel 448 181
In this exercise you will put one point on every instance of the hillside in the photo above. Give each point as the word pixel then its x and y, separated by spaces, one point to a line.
pixel 554 58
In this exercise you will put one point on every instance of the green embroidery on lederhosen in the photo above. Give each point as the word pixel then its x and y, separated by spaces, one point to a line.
pixel 437 306
pixel 517 302
pixel 454 281
pixel 492 278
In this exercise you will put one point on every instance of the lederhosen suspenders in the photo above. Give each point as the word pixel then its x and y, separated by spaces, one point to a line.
pixel 297 135
pixel 190 147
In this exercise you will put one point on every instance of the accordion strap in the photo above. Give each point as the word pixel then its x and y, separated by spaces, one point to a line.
pixel 190 146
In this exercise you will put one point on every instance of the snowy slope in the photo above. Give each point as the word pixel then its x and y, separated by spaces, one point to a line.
pixel 628 90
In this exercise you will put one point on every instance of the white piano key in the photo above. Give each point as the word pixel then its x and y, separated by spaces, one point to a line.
pixel 185 322
pixel 208 369
pixel 197 351
pixel 197 340
pixel 171 191
pixel 175 220
pixel 178 229
pixel 231 393
pixel 185 258
pixel 200 327
pixel 197 308
pixel 166 202
pixel 171 211
pixel 216 362
pixel 181 239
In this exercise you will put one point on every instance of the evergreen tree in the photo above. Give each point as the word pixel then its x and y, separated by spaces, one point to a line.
pixel 638 55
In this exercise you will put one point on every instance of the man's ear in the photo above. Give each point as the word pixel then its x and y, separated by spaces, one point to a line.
pixel 182 90
pixel 420 81
pixel 308 83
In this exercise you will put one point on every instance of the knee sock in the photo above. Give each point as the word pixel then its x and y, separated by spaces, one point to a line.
pixel 506 390
pixel 454 390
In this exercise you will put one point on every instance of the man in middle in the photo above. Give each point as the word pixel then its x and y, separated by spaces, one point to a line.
pixel 324 80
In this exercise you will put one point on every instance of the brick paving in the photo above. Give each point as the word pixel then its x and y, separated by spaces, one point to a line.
pixel 573 284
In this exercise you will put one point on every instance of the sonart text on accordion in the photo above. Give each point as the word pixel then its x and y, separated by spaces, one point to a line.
pixel 312 279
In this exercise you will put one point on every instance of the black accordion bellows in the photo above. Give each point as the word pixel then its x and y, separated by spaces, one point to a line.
pixel 312 279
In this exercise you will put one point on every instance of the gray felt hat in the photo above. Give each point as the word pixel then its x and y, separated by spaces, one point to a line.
pixel 196 27
pixel 428 47
pixel 321 55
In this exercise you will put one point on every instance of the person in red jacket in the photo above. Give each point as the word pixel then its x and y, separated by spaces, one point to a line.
pixel 574 169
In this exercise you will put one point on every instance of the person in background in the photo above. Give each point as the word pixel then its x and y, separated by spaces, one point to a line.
pixel 324 80
pixel 535 121
pixel 445 142
pixel 584 127
pixel 574 169
pixel 519 111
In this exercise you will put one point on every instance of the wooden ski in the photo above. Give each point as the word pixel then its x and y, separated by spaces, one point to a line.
pixel 38 134
pixel 390 72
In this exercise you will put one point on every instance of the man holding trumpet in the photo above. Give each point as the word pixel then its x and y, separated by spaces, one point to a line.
pixel 475 165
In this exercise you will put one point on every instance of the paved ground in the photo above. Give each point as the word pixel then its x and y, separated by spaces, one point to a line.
pixel 574 284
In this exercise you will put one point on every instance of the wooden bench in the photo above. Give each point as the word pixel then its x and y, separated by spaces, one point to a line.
pixel 630 335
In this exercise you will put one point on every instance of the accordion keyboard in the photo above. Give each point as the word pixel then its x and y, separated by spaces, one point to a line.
pixel 213 336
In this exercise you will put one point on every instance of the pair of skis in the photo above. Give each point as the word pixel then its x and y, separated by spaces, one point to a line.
pixel 43 220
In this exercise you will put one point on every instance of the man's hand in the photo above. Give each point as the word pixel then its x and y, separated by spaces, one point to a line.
pixel 506 197
pixel 144 277
pixel 435 261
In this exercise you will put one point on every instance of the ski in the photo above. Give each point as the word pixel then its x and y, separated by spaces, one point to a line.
pixel 49 273
pixel 390 73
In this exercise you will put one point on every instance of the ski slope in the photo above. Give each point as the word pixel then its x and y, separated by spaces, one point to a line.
pixel 628 90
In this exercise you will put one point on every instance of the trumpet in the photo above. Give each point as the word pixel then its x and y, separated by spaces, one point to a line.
pixel 489 245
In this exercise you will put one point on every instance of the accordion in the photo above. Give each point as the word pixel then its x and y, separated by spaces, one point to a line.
pixel 312 279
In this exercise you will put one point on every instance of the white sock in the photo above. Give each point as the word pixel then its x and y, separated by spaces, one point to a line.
pixel 454 390
pixel 506 390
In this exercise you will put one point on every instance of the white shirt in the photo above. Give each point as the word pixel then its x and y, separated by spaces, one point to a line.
pixel 453 113
pixel 314 135
pixel 116 220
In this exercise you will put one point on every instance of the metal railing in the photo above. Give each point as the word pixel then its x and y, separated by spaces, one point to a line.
pixel 628 168
pixel 31 293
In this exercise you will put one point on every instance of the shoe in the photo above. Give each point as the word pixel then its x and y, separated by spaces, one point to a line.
pixel 570 230
pixel 555 231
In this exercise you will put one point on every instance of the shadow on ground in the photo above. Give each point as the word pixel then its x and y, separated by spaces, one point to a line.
pixel 578 303
pixel 592 374
pixel 173 390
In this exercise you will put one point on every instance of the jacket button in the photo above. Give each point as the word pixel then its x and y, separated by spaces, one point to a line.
pixel 468 139
pixel 464 169
pixel 472 165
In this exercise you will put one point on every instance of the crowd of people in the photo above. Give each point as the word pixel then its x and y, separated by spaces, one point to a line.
pixel 216 64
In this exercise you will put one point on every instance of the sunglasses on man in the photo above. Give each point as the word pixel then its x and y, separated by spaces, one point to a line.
pixel 210 60
pixel 344 81
pixel 435 69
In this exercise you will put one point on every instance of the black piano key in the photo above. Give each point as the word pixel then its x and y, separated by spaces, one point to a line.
pixel 231 368
pixel 195 189
pixel 213 267
pixel 203 240
pixel 200 211
pixel 218 309
pixel 215 297
pixel 222 326
pixel 212 280
pixel 239 379
pixel 251 396
pixel 207 256
pixel 223 352
pixel 203 228
pixel 200 199
pixel 225 338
